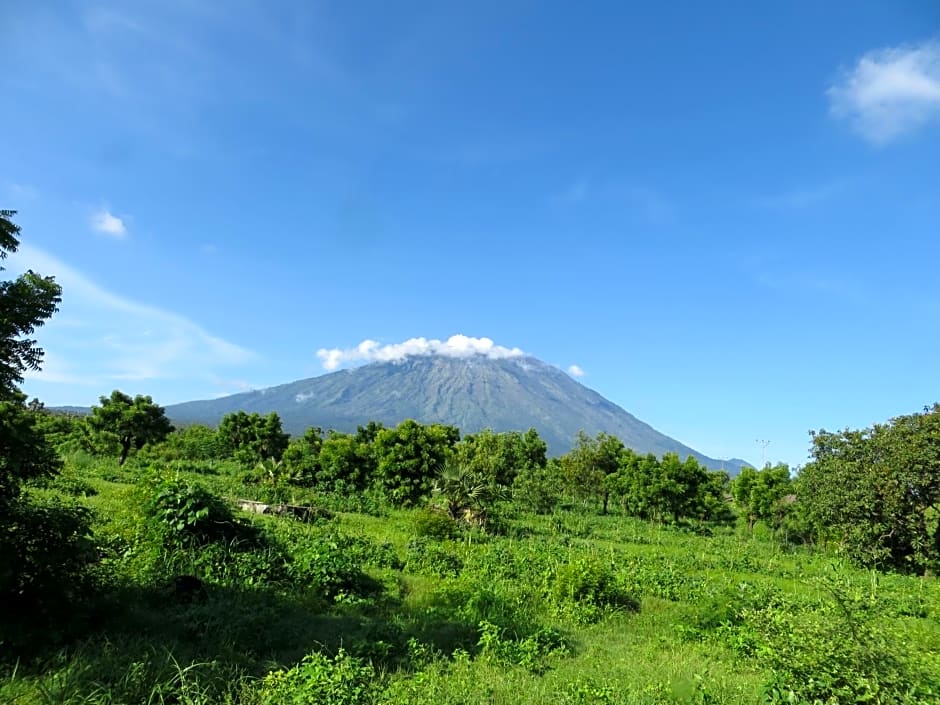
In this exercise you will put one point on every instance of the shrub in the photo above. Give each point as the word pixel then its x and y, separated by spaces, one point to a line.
pixel 839 655
pixel 435 525
pixel 45 549
pixel 589 587
pixel 425 557
pixel 185 514
pixel 342 680
pixel 529 652
pixel 331 570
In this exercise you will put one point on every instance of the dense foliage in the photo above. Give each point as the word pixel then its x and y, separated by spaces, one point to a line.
pixel 877 491
pixel 25 304
pixel 43 544
pixel 124 423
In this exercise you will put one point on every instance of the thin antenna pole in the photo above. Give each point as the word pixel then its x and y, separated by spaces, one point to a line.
pixel 763 449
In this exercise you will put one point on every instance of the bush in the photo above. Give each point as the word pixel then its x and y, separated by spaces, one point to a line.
pixel 435 525
pixel 331 570
pixel 182 513
pixel 839 655
pixel 529 652
pixel 425 557
pixel 45 550
pixel 342 680
pixel 588 588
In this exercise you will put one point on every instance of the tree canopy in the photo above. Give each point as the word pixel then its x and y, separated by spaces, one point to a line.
pixel 876 491
pixel 25 304
pixel 128 423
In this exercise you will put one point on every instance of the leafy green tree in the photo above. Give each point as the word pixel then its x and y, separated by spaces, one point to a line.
pixel 25 453
pixel 196 442
pixel 61 429
pixel 499 457
pixel 538 489
pixel 591 466
pixel 410 456
pixel 679 486
pixel 252 438
pixel 128 423
pixel 876 491
pixel 44 547
pixel 25 304
pixel 761 494
pixel 345 462
pixel 302 456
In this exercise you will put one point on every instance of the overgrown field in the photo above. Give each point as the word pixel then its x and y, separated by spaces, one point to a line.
pixel 192 600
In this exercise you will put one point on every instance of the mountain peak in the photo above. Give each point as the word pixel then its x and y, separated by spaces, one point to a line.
pixel 473 391
pixel 456 346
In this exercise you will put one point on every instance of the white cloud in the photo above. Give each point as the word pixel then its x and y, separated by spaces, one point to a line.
pixel 106 338
pixel 107 223
pixel 455 346
pixel 890 91
pixel 575 371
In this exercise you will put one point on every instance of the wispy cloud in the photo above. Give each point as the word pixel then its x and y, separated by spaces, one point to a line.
pixel 57 370
pixel 575 371
pixel 455 346
pixel 890 92
pixel 106 337
pixel 19 191
pixel 801 198
pixel 106 223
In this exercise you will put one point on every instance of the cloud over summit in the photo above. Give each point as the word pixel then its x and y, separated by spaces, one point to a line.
pixel 460 346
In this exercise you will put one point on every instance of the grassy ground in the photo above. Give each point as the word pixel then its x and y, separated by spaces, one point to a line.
pixel 568 608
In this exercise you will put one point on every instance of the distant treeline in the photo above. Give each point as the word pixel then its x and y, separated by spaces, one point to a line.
pixel 875 493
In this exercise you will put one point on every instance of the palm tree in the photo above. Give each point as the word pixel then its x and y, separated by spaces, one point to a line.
pixel 466 494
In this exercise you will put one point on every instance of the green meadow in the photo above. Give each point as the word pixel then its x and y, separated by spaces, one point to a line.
pixel 189 599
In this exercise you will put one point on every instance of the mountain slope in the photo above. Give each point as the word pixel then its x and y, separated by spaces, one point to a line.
pixel 471 393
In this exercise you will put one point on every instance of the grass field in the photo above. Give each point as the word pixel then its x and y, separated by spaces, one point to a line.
pixel 381 606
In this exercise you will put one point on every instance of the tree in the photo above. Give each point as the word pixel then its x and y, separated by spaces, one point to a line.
pixel 43 544
pixel 410 456
pixel 876 491
pixel 468 495
pixel 761 494
pixel 130 423
pixel 302 456
pixel 25 452
pixel 252 438
pixel 344 463
pixel 679 486
pixel 591 465
pixel 25 304
pixel 499 457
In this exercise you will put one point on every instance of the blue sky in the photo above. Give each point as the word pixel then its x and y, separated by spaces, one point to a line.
pixel 725 214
